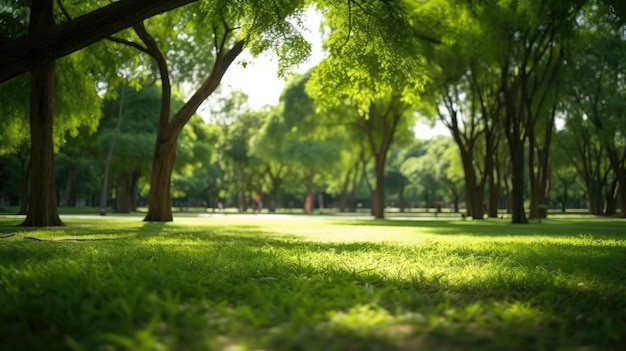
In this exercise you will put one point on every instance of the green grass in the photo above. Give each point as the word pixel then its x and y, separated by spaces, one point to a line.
pixel 312 283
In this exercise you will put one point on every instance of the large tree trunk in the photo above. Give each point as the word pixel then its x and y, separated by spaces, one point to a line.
pixel 160 199
pixel 42 209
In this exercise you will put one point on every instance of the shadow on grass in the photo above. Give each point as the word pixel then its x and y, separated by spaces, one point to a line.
pixel 218 287
pixel 602 228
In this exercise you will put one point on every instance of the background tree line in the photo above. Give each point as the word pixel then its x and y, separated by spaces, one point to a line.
pixel 500 75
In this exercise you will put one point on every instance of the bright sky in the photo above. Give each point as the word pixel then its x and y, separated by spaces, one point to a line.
pixel 259 79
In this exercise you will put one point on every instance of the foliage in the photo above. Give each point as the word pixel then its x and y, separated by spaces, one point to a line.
pixel 135 138
pixel 196 166
pixel 371 56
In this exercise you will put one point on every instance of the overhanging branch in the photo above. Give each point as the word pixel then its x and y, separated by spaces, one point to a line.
pixel 23 54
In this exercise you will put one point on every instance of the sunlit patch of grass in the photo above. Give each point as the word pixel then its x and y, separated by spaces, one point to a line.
pixel 247 282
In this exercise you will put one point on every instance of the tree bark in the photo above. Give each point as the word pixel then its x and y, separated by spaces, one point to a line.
pixel 389 118
pixel 611 198
pixel 539 170
pixel 617 163
pixel 517 181
pixel 516 150
pixel 125 192
pixel 494 192
pixel 593 196
pixel 378 195
pixel 466 138
pixel 42 209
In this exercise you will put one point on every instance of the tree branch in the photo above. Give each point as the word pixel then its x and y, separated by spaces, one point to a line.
pixel 23 54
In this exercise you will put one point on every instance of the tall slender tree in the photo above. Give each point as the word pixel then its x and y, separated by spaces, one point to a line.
pixel 372 66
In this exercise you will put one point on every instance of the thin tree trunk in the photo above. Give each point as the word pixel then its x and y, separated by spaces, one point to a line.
pixel 107 162
pixel 42 209
pixel 494 194
pixel 343 197
pixel 592 204
pixel 389 120
pixel 134 190
pixel 401 196
pixel 516 150
pixel 70 186
pixel 25 178
pixel 516 140
pixel 517 181
pixel 617 163
pixel 611 198
pixel 378 195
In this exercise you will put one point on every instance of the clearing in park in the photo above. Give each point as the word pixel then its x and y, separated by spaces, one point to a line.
pixel 279 282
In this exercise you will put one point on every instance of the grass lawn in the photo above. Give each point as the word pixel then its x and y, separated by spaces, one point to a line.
pixel 237 282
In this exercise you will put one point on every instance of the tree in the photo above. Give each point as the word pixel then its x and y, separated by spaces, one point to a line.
pixel 68 164
pixel 563 169
pixel 427 166
pixel 528 40
pixel 134 139
pixel 42 210
pixel 76 104
pixel 461 93
pixel 218 22
pixel 397 178
pixel 21 54
pixel 269 145
pixel 242 168
pixel 600 102
pixel 310 149
pixel 363 70
pixel 195 171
